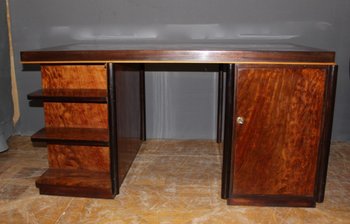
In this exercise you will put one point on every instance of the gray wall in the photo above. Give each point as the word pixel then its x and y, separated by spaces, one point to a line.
pixel 317 23
pixel 6 110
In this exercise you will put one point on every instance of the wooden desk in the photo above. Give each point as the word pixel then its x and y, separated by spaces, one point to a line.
pixel 278 116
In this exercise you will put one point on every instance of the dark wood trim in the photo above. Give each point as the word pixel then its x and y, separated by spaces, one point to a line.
pixel 228 128
pixel 272 200
pixel 233 131
pixel 70 95
pixel 220 105
pixel 76 183
pixel 143 102
pixel 325 142
pixel 74 192
pixel 112 121
pixel 258 65
pixel 72 136
pixel 175 56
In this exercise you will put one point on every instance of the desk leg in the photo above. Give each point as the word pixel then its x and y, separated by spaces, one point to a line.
pixel 228 126
pixel 220 105
pixel 143 102
pixel 327 133
pixel 112 129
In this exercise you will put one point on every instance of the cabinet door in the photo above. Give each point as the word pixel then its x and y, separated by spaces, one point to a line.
pixel 277 128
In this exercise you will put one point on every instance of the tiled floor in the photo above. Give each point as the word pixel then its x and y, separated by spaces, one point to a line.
pixel 169 182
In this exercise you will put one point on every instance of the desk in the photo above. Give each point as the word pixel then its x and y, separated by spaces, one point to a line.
pixel 279 102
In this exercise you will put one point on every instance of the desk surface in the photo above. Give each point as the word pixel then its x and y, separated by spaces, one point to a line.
pixel 162 52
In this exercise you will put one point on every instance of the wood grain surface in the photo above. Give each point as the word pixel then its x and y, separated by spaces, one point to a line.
pixel 272 200
pixel 70 95
pixel 228 53
pixel 76 115
pixel 93 158
pixel 80 136
pixel 276 148
pixel 74 77
pixel 81 183
pixel 128 107
pixel 327 132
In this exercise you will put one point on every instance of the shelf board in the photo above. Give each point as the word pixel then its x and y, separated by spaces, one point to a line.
pixel 70 95
pixel 73 136
pixel 75 182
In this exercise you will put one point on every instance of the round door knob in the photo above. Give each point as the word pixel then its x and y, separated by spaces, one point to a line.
pixel 240 120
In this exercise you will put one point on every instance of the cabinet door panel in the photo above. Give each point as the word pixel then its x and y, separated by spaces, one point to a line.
pixel 276 147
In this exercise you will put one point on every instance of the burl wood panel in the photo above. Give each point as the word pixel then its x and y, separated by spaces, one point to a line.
pixel 128 105
pixel 276 148
pixel 81 183
pixel 76 115
pixel 94 158
pixel 74 76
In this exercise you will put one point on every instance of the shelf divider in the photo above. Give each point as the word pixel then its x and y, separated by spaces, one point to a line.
pixel 70 95
pixel 73 136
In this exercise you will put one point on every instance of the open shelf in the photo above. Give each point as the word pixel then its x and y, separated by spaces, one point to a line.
pixel 74 182
pixel 73 136
pixel 70 95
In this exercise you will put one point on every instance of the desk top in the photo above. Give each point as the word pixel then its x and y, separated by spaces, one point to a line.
pixel 162 52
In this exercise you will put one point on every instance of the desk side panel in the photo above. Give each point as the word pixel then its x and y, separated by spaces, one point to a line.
pixel 128 115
